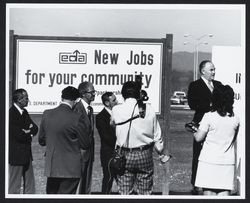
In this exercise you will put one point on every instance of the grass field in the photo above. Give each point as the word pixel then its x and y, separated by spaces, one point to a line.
pixel 180 164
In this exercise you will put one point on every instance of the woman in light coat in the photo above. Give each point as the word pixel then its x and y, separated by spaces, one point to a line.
pixel 218 128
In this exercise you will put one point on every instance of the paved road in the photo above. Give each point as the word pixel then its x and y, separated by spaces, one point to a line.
pixel 180 107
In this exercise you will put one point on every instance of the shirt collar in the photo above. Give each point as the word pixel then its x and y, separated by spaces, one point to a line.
pixel 108 110
pixel 206 81
pixel 85 104
pixel 66 104
pixel 18 108
pixel 131 100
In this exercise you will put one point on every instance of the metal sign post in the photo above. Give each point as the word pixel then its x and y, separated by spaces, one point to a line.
pixel 166 111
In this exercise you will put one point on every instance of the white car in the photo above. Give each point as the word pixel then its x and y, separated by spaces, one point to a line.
pixel 178 97
pixel 175 100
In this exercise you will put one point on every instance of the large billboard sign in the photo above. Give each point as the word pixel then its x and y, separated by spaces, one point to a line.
pixel 45 66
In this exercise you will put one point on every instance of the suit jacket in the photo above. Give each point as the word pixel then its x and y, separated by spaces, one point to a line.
pixel 63 134
pixel 107 135
pixel 89 153
pixel 200 97
pixel 20 142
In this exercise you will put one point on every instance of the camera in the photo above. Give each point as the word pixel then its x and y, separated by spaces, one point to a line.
pixel 192 126
pixel 142 97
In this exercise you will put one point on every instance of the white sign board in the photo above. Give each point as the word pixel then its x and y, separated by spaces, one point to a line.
pixel 45 67
pixel 230 69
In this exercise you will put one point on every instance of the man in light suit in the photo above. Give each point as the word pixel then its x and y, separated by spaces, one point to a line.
pixel 200 100
pixel 21 131
pixel 108 139
pixel 63 133
pixel 87 94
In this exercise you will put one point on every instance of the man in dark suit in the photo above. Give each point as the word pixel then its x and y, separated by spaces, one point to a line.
pixel 63 133
pixel 108 139
pixel 87 94
pixel 21 131
pixel 200 100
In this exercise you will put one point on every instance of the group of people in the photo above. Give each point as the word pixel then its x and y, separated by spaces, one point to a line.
pixel 213 165
pixel 67 131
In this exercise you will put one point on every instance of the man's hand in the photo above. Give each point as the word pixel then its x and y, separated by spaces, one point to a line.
pixel 165 158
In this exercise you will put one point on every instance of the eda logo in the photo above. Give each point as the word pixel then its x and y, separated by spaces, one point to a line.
pixel 72 58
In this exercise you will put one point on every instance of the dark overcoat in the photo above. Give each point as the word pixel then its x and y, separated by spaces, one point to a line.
pixel 89 130
pixel 200 97
pixel 20 142
pixel 107 135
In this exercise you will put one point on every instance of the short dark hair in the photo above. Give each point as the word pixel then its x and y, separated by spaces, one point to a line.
pixel 203 63
pixel 223 100
pixel 70 93
pixel 130 90
pixel 18 94
pixel 82 88
pixel 105 97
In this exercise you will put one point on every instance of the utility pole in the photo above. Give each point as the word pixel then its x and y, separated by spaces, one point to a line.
pixel 196 42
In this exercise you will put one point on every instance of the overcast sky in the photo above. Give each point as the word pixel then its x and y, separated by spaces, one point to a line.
pixel 225 22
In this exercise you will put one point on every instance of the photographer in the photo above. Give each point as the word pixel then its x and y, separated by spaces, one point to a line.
pixel 136 139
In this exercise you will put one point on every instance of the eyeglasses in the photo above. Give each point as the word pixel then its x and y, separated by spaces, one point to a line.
pixel 91 92
pixel 25 98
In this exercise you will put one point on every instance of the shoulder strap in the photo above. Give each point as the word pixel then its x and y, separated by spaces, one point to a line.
pixel 130 122
pixel 130 119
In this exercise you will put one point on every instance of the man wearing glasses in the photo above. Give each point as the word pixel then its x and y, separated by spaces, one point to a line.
pixel 87 95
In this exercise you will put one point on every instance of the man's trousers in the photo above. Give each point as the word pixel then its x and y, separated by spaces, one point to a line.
pixel 62 185
pixel 16 174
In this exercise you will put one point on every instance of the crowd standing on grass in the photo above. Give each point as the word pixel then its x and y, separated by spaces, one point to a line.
pixel 132 128
pixel 213 146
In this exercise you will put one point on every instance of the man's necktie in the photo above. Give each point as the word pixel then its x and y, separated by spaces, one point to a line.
pixel 91 117
pixel 90 112
pixel 210 86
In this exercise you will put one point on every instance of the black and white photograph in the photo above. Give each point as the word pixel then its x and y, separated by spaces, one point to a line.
pixel 114 101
